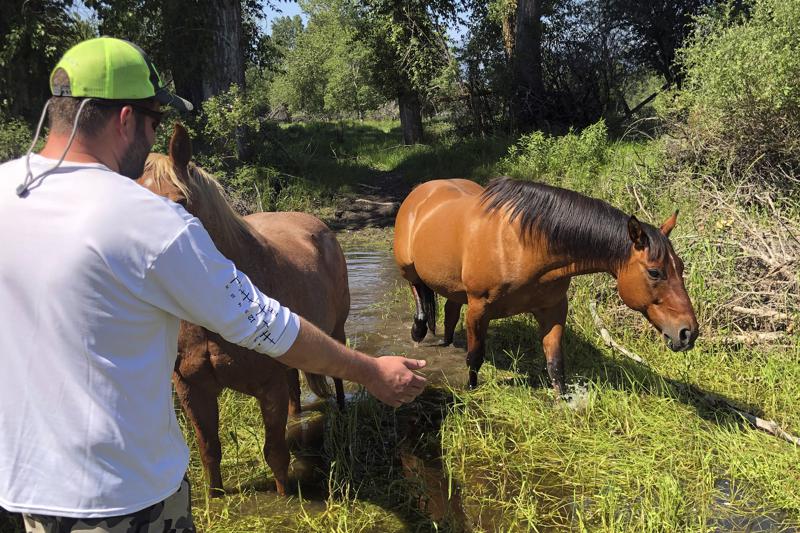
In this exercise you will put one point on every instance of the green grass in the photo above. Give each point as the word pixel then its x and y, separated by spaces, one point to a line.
pixel 317 165
pixel 634 450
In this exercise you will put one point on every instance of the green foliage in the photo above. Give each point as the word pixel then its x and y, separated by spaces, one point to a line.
pixel 325 71
pixel 225 116
pixel 285 31
pixel 228 111
pixel 15 138
pixel 741 94
pixel 563 160
pixel 34 36
pixel 409 43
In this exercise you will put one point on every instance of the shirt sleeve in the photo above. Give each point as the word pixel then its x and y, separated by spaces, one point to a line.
pixel 192 280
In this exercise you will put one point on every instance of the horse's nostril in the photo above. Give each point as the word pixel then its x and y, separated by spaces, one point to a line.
pixel 685 335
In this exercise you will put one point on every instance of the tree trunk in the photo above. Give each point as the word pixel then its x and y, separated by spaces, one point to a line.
pixel 205 41
pixel 206 44
pixel 509 24
pixel 527 65
pixel 410 117
pixel 225 60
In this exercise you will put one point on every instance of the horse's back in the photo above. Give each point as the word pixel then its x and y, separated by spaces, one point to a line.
pixel 310 272
pixel 429 231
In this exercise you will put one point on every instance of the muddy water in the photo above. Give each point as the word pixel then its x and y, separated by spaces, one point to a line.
pixel 379 324
pixel 380 318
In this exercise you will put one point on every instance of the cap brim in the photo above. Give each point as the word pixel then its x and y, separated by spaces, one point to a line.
pixel 173 100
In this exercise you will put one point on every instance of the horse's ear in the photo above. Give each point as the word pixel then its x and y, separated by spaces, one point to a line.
pixel 637 234
pixel 668 224
pixel 180 146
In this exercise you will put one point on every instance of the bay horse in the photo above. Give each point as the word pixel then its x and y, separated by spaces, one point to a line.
pixel 292 257
pixel 514 246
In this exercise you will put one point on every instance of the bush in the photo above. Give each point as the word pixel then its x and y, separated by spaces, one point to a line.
pixel 15 138
pixel 741 99
pixel 570 160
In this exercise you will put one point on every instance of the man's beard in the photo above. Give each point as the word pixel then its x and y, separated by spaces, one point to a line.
pixel 132 163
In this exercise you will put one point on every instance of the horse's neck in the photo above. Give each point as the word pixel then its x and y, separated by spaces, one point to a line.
pixel 567 268
pixel 250 252
pixel 584 254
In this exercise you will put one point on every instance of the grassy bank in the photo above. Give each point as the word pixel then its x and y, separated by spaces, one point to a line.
pixel 636 448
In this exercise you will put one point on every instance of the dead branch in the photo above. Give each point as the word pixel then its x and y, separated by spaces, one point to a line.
pixel 752 337
pixel 761 313
pixel 610 340
pixel 373 202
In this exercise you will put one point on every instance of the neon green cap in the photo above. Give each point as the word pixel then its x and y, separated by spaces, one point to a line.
pixel 113 69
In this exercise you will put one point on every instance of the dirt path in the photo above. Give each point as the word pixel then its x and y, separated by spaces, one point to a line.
pixel 372 205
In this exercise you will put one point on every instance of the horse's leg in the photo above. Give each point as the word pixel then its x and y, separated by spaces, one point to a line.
pixel 551 321
pixel 477 326
pixel 420 327
pixel 429 300
pixel 274 404
pixel 293 382
pixel 452 312
pixel 201 407
pixel 339 335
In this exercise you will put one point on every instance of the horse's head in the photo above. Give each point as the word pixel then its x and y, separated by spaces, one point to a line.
pixel 651 281
pixel 170 176
pixel 177 178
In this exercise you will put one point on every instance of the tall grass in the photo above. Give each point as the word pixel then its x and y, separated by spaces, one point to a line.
pixel 632 449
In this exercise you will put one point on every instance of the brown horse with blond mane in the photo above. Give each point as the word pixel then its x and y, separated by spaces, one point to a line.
pixel 292 257
pixel 514 246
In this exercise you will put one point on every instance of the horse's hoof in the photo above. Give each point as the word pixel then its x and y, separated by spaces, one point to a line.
pixel 432 325
pixel 419 330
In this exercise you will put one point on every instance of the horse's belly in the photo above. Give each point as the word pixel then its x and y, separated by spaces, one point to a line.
pixel 529 298
pixel 440 269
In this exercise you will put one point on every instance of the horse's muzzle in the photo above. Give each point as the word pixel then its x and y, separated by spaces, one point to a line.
pixel 683 341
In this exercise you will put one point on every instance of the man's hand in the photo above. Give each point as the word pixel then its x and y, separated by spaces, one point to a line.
pixel 394 382
pixel 391 378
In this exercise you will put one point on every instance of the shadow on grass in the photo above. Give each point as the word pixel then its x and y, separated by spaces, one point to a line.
pixel 583 361
pixel 393 457
pixel 340 154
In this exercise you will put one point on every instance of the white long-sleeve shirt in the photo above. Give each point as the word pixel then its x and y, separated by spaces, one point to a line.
pixel 95 273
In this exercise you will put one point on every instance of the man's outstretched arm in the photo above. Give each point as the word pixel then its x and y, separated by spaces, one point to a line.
pixel 389 378
pixel 192 280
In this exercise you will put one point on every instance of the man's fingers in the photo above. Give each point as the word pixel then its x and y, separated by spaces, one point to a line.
pixel 414 364
pixel 418 381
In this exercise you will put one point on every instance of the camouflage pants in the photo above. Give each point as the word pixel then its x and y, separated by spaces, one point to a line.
pixel 171 515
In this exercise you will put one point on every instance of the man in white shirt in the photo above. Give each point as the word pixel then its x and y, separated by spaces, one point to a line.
pixel 96 273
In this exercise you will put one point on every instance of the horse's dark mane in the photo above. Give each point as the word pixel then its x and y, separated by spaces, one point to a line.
pixel 581 227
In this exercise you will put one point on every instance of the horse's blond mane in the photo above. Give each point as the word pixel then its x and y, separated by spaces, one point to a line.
pixel 206 197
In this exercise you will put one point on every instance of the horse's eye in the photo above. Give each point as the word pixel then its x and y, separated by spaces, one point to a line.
pixel 654 273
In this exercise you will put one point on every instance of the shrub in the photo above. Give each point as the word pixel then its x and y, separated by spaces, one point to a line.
pixel 569 160
pixel 741 99
pixel 15 138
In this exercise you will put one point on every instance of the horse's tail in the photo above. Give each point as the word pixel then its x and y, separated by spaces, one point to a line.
pixel 425 317
pixel 318 384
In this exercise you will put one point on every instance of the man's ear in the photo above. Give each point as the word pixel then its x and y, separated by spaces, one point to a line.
pixel 637 234
pixel 180 146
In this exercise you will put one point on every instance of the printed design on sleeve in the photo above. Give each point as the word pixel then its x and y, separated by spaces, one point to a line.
pixel 236 291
